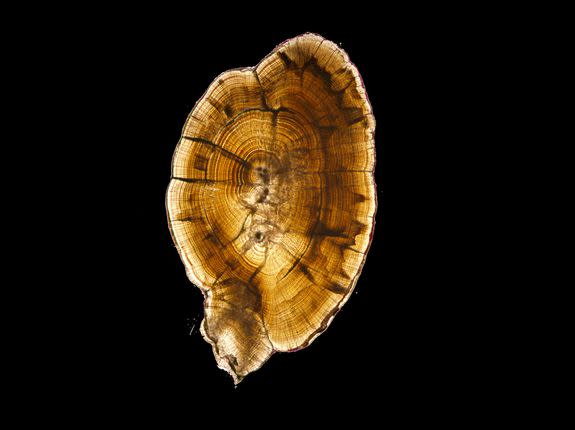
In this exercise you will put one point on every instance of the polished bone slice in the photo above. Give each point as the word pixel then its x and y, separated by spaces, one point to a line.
pixel 272 199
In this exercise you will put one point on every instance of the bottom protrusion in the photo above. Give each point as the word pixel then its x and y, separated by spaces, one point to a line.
pixel 235 330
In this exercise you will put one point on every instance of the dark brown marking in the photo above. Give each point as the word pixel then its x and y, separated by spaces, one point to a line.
pixel 335 181
pixel 275 119
pixel 356 120
pixel 224 152
pixel 215 103
pixel 259 268
pixel 305 270
pixel 266 109
pixel 359 198
pixel 232 361
pixel 228 110
pixel 342 91
pixel 344 274
pixel 239 294
pixel 212 238
pixel 201 163
pixel 264 195
pixel 315 68
pixel 336 288
pixel 264 174
pixel 195 180
pixel 232 263
pixel 288 63
pixel 190 219
pixel 326 131
pixel 352 114
pixel 323 230
pixel 295 263
pixel 357 228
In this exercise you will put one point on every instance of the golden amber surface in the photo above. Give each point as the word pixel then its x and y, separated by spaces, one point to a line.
pixel 272 199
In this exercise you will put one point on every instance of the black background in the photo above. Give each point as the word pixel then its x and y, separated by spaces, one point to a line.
pixel 405 334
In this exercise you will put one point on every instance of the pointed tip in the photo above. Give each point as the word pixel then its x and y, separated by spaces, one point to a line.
pixel 237 378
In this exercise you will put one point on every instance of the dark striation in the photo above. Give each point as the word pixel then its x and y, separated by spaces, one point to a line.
pixel 213 146
pixel 195 180
pixel 305 270
pixel 336 288
pixel 228 111
pixel 323 230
